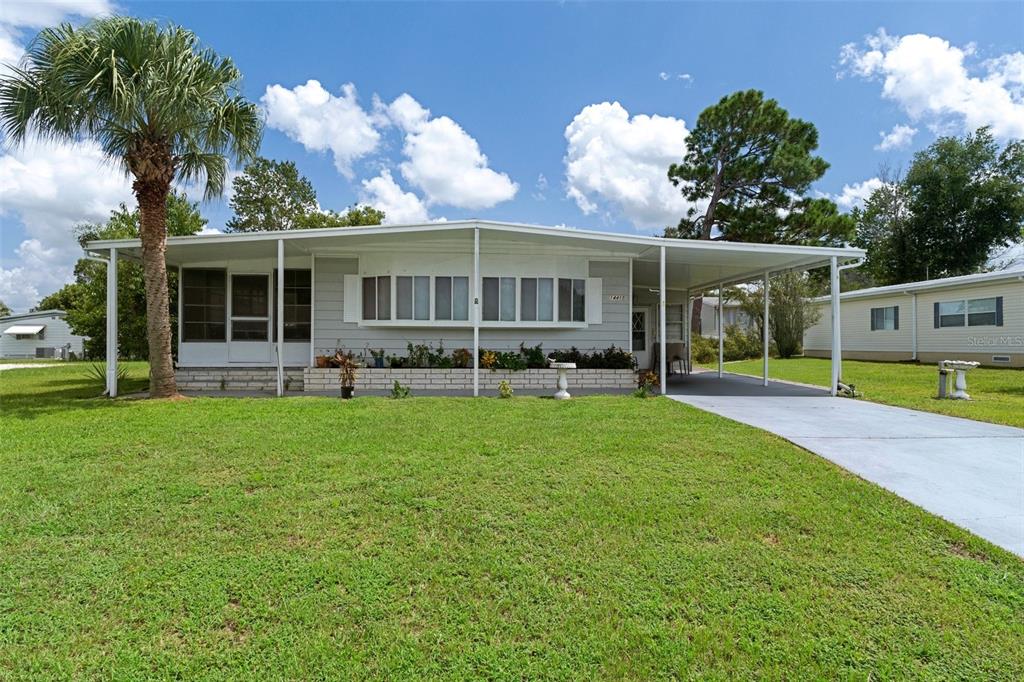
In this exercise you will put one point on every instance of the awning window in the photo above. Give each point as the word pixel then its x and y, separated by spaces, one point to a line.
pixel 24 329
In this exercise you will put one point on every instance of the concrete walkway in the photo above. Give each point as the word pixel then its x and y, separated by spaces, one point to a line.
pixel 970 473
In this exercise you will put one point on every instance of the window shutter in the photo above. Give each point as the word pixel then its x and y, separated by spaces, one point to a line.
pixel 896 317
pixel 874 324
pixel 595 300
pixel 999 311
pixel 350 305
pixel 935 309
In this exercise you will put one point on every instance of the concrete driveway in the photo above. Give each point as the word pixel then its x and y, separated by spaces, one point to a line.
pixel 970 473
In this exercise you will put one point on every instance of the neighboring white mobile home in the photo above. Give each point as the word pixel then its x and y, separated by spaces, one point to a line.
pixel 732 314
pixel 43 334
pixel 974 317
pixel 271 304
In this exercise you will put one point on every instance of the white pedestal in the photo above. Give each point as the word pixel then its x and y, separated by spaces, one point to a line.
pixel 563 380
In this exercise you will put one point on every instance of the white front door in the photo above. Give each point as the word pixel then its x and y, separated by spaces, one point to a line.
pixel 641 330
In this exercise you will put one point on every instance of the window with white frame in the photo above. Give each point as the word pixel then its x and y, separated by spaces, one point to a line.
pixel 443 298
pixel 499 299
pixel 884 319
pixel 377 298
pixel 975 312
pixel 412 297
pixel 250 307
pixel 537 299
pixel 572 300
pixel 982 312
pixel 451 298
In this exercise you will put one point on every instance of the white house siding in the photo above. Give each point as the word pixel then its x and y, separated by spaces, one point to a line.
pixel 57 334
pixel 965 343
pixel 331 331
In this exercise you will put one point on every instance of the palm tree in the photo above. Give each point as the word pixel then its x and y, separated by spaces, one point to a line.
pixel 162 107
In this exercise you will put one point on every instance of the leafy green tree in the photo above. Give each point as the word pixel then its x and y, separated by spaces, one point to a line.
pixel 750 165
pixel 4 309
pixel 272 195
pixel 85 299
pixel 961 201
pixel 159 104
pixel 355 216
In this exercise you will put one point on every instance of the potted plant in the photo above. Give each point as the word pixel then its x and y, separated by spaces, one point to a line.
pixel 346 373
pixel 378 357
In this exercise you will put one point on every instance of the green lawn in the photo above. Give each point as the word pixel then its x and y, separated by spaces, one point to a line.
pixel 604 537
pixel 998 394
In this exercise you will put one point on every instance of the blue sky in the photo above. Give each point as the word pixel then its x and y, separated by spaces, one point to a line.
pixel 507 80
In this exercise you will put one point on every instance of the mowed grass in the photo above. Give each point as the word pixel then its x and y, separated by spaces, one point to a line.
pixel 997 394
pixel 602 537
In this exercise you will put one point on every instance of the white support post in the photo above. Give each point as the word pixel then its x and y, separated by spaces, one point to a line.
pixel 689 332
pixel 684 331
pixel 629 315
pixel 764 369
pixel 662 325
pixel 312 310
pixel 476 312
pixel 721 347
pixel 280 317
pixel 836 342
pixel 112 324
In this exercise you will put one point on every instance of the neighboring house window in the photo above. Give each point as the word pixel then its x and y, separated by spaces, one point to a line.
pixel 250 307
pixel 499 299
pixel 451 298
pixel 298 305
pixel 883 319
pixel 975 312
pixel 982 312
pixel 377 298
pixel 412 298
pixel 572 300
pixel 536 299
pixel 203 304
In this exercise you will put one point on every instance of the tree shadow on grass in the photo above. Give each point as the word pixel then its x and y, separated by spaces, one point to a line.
pixel 60 394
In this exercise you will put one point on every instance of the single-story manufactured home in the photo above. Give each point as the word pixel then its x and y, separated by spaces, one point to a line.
pixel 732 314
pixel 975 317
pixel 41 334
pixel 263 310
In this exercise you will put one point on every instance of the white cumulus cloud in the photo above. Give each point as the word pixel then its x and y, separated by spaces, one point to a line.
pixel 322 122
pixel 620 163
pixel 854 195
pixel 444 161
pixel 399 206
pixel 51 187
pixel 19 19
pixel 941 84
pixel 898 138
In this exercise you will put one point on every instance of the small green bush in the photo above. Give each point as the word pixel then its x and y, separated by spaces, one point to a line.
pixel 398 391
pixel 505 389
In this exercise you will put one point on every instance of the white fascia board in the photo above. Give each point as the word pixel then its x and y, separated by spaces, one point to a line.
pixel 930 285
pixel 635 240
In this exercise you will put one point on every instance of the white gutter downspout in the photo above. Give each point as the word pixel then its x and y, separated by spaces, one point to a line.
pixel 913 326
pixel 661 327
pixel 280 317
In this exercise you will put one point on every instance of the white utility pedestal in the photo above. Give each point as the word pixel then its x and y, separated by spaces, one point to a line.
pixel 563 380
pixel 961 367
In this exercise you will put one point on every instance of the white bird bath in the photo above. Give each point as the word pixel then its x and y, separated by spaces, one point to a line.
pixel 563 381
pixel 961 367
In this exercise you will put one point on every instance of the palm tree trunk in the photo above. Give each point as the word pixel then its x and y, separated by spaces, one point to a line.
pixel 152 198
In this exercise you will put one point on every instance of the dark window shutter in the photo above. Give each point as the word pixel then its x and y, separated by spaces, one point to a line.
pixel 999 311
pixel 896 317
pixel 874 326
pixel 936 309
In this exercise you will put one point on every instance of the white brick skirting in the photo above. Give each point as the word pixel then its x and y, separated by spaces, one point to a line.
pixel 236 378
pixel 374 379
